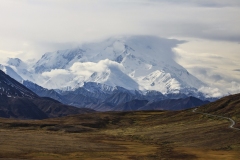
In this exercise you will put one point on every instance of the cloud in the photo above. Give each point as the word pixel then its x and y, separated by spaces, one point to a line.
pixel 55 72
pixel 86 69
pixel 37 26
pixel 77 74
pixel 211 92
pixel 203 3
pixel 235 87
pixel 208 74
pixel 236 70
pixel 213 62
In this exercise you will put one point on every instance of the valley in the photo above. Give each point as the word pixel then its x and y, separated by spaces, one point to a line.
pixel 121 135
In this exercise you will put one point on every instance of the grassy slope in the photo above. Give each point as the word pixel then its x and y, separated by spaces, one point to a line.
pixel 227 106
pixel 126 135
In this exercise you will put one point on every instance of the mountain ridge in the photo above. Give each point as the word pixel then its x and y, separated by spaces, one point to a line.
pixel 91 95
pixel 108 73
pixel 17 101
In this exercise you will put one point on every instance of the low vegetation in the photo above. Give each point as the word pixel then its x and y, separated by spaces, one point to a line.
pixel 120 135
pixel 227 106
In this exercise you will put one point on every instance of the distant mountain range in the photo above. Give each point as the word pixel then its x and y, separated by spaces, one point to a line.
pixel 91 95
pixel 17 101
pixel 143 63
pixel 113 72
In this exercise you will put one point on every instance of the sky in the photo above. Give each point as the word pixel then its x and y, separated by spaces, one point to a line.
pixel 211 29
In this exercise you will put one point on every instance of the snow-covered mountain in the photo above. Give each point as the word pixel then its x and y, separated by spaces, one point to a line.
pixel 9 71
pixel 17 69
pixel 11 88
pixel 17 101
pixel 106 74
pixel 134 62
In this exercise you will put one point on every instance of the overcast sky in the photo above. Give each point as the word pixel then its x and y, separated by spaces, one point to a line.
pixel 29 28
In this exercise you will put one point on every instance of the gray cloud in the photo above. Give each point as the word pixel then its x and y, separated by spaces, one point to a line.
pixel 216 77
pixel 208 73
pixel 236 70
pixel 203 3
pixel 214 62
pixel 216 80
pixel 64 22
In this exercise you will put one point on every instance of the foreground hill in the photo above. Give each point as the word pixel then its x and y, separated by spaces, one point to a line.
pixel 227 106
pixel 141 135
pixel 17 101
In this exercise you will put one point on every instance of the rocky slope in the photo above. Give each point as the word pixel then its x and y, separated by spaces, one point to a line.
pixel 17 101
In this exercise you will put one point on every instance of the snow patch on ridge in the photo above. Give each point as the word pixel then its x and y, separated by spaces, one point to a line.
pixel 156 79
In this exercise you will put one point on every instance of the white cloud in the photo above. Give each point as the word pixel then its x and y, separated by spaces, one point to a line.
pixel 214 62
pixel 55 72
pixel 211 92
pixel 77 74
pixel 90 67
pixel 203 3
pixel 235 87
pixel 36 26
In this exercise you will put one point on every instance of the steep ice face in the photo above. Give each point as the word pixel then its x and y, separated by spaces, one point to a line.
pixel 156 79
pixel 58 60
pixel 114 76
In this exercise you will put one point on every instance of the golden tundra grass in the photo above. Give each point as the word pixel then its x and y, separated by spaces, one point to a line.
pixel 126 135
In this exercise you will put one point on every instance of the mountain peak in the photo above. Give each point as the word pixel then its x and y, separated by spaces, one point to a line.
pixel 16 62
pixel 133 62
